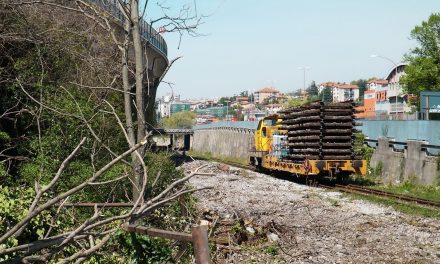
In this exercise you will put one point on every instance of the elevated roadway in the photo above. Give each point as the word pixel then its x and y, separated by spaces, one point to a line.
pixel 155 48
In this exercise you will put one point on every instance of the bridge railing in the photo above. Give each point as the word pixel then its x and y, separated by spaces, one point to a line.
pixel 147 31
pixel 397 146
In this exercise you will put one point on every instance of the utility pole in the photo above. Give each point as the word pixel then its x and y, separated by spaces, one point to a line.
pixel 227 109
pixel 304 69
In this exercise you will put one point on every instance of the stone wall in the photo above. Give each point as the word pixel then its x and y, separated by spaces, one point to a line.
pixel 411 163
pixel 226 142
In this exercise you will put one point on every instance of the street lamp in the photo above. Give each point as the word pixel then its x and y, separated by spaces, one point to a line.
pixel 395 68
pixel 305 68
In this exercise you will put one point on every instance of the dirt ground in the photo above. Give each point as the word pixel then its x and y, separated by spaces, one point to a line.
pixel 256 218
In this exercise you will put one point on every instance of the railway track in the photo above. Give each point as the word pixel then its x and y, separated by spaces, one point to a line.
pixel 357 189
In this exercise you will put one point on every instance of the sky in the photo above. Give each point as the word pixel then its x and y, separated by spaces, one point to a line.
pixel 246 45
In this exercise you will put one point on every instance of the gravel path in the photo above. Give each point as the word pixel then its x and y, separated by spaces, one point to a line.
pixel 312 225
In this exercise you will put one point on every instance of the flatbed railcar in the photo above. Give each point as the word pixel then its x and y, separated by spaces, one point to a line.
pixel 313 140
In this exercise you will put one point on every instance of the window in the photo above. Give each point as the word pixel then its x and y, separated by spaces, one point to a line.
pixel 270 122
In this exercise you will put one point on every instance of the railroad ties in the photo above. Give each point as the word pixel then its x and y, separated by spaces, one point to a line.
pixel 321 131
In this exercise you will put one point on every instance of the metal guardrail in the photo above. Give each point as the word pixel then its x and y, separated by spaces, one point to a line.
pixel 148 33
pixel 234 129
pixel 168 131
pixel 392 144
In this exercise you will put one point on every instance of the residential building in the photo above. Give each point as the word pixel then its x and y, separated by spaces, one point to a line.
pixel 391 102
pixel 341 91
pixel 262 94
pixel 218 111
pixel 369 104
pixel 179 107
pixel 398 100
pixel 386 97
pixel 242 99
pixel 378 88
pixel 164 105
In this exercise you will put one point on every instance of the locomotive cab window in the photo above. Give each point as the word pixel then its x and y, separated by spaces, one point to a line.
pixel 263 131
pixel 270 122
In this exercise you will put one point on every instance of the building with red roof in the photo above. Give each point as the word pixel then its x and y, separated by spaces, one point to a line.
pixel 264 93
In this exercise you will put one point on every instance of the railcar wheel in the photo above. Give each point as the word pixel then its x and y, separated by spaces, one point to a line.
pixel 342 177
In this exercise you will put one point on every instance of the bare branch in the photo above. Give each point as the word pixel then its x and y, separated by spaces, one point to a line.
pixel 66 194
pixel 40 192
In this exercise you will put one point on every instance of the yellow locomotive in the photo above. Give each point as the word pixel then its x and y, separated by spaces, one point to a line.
pixel 313 140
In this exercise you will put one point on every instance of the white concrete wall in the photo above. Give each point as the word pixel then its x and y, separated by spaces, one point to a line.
pixel 226 142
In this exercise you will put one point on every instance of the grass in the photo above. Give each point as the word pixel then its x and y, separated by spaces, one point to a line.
pixel 411 209
pixel 209 156
pixel 431 192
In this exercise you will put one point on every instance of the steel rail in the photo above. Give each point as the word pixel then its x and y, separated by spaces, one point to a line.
pixel 350 188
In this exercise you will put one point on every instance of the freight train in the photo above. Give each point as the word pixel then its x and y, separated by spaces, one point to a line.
pixel 317 139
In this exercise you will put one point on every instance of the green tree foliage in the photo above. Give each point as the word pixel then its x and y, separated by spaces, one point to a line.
pixel 362 84
pixel 312 90
pixel 294 102
pixel 244 93
pixel 225 101
pixel 326 95
pixel 185 119
pixel 423 69
pixel 47 105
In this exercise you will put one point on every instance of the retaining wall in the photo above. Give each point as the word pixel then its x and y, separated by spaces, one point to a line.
pixel 227 142
pixel 411 163
pixel 398 165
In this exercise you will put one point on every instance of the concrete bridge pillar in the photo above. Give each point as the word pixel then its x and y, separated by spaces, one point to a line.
pixel 387 162
pixel 419 167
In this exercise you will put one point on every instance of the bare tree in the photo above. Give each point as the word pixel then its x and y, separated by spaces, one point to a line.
pixel 139 77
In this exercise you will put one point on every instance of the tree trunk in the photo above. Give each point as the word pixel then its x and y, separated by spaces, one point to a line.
pixel 140 101
pixel 128 107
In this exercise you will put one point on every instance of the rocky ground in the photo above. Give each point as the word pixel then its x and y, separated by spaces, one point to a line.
pixel 256 218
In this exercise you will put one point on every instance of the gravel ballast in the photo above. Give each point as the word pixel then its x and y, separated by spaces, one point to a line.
pixel 311 225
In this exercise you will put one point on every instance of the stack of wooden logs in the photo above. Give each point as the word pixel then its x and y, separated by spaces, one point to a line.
pixel 321 131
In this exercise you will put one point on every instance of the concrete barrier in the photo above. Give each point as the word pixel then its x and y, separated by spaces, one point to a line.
pixel 410 164
pixel 226 142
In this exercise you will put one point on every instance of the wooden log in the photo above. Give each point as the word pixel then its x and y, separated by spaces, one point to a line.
pixel 335 124
pixel 341 118
pixel 345 157
pixel 305 132
pixel 301 119
pixel 337 131
pixel 303 125
pixel 300 138
pixel 337 137
pixel 328 144
pixel 301 151
pixel 302 113
pixel 338 151
pixel 333 110
pixel 304 144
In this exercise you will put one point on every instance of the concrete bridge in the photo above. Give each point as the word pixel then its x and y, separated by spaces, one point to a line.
pixel 155 47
